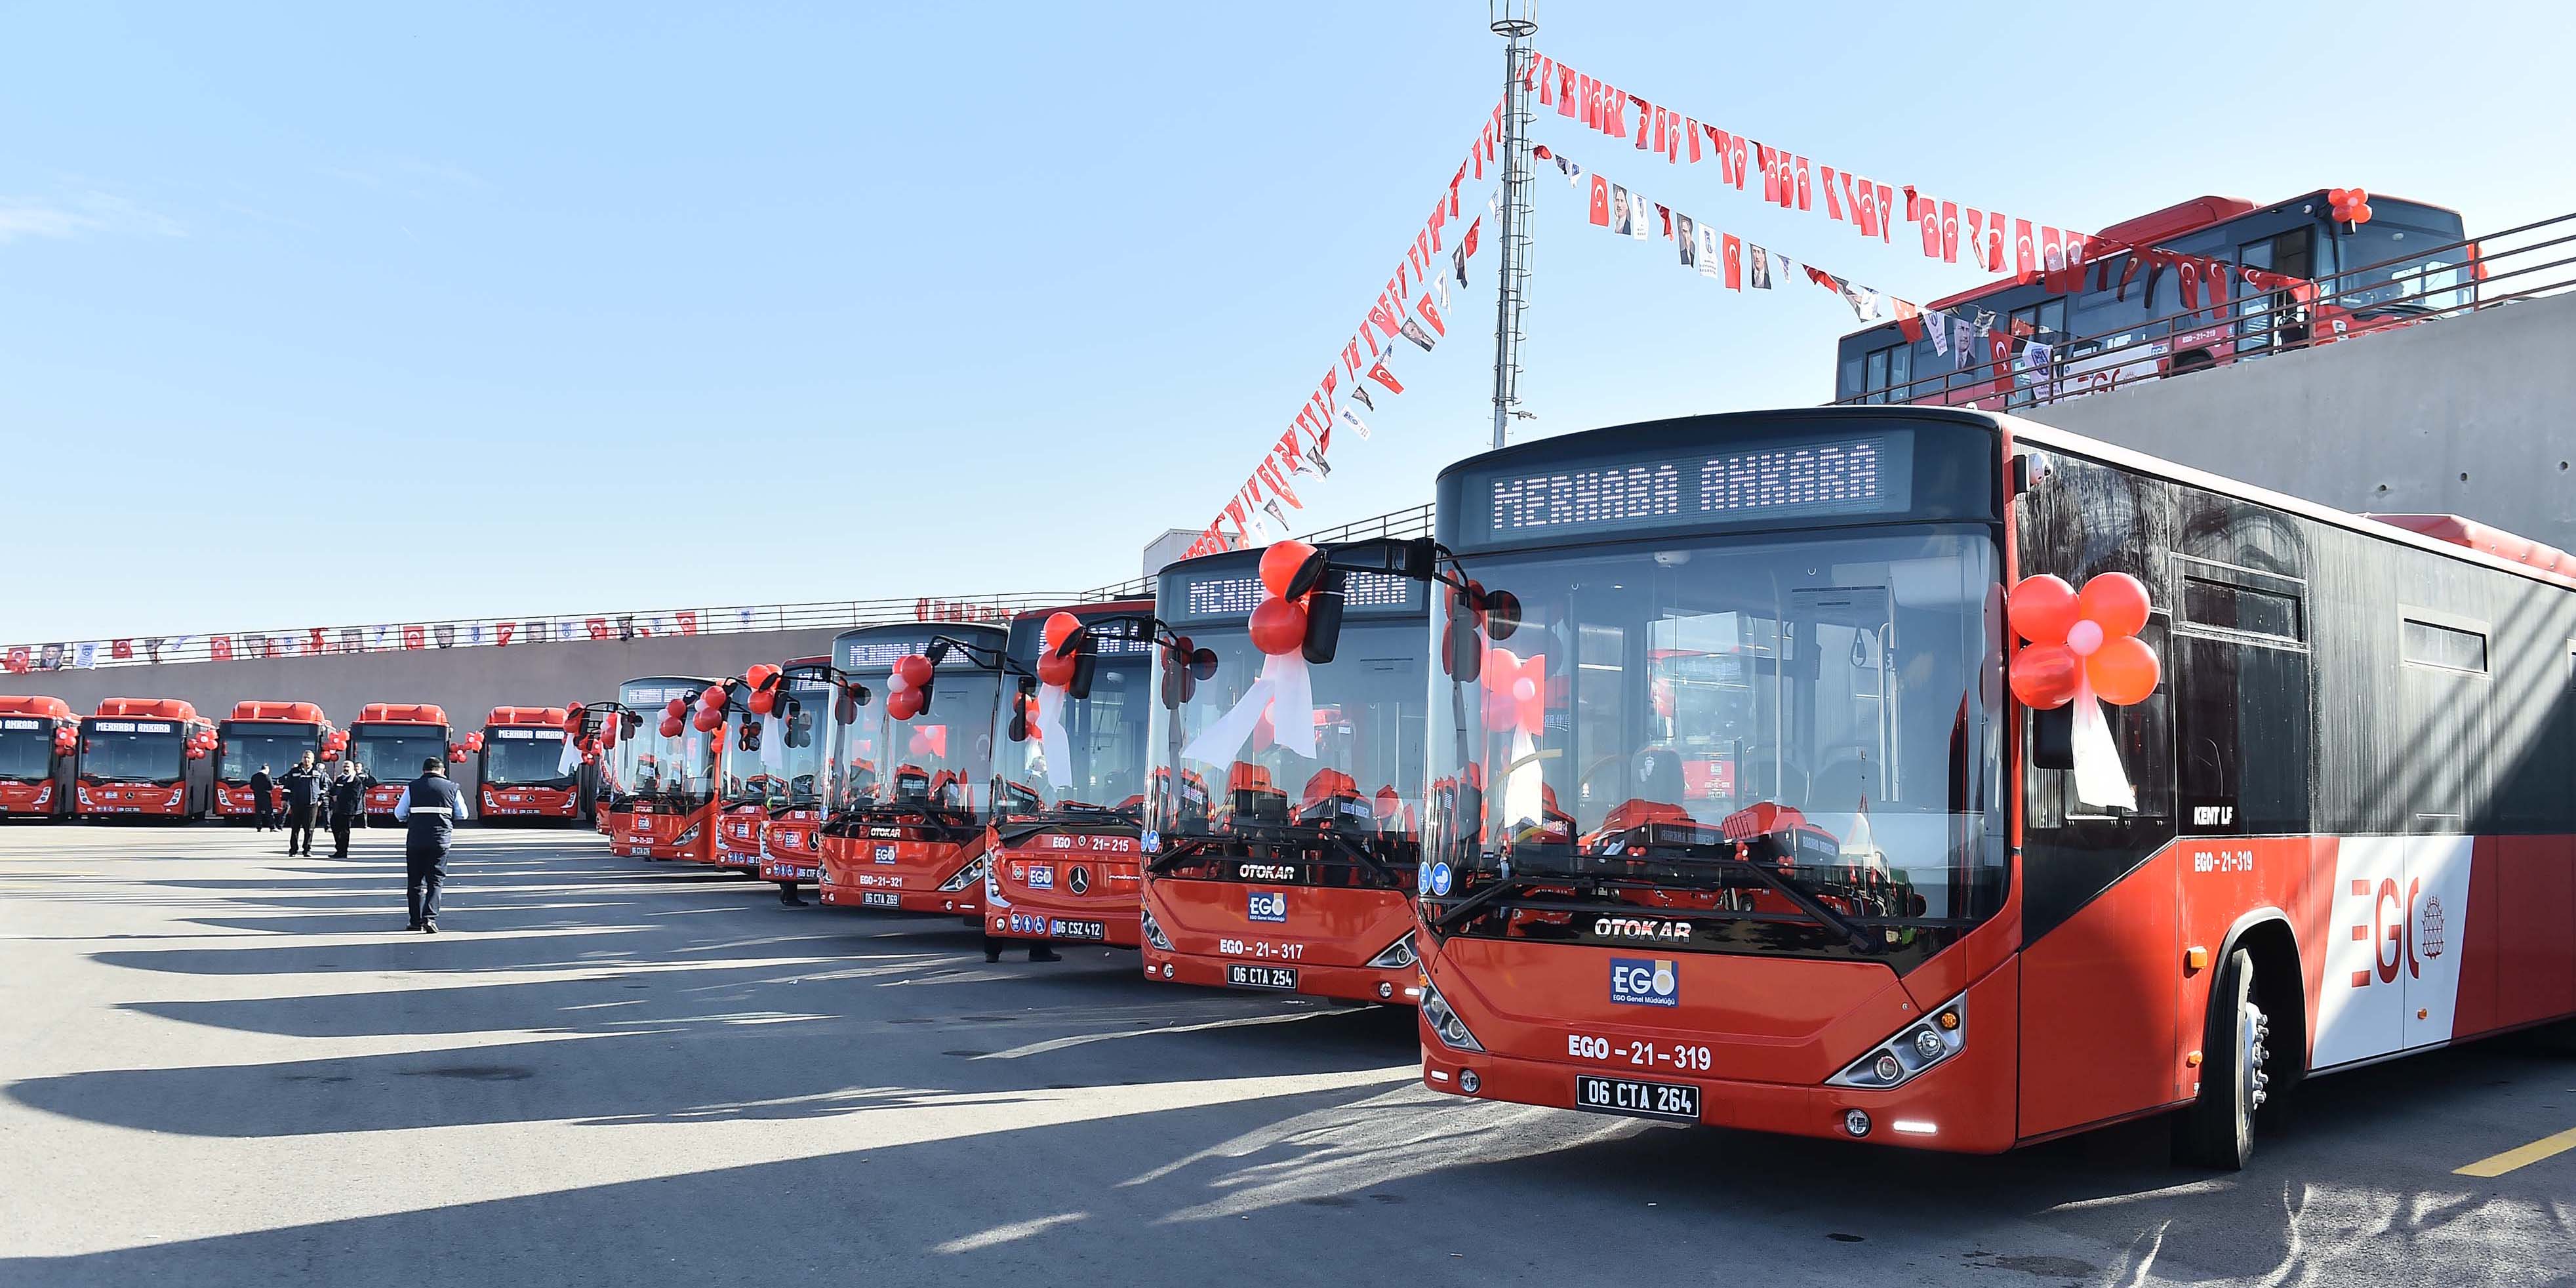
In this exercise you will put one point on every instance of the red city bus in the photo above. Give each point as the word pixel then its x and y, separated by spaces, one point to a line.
pixel 2107 323
pixel 390 741
pixel 1068 819
pixel 603 728
pixel 912 797
pixel 528 768
pixel 664 800
pixel 145 756
pixel 1764 838
pixel 39 753
pixel 274 734
pixel 1267 867
pixel 747 782
pixel 791 837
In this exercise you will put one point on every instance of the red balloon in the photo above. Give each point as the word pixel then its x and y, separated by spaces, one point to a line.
pixel 675 709
pixel 2361 213
pixel 2115 601
pixel 1057 671
pixel 706 720
pixel 2339 197
pixel 904 704
pixel 914 668
pixel 2123 671
pixel 1279 565
pixel 2044 675
pixel 711 697
pixel 757 672
pixel 763 701
pixel 1059 627
pixel 1278 626
pixel 670 727
pixel 2041 608
pixel 329 754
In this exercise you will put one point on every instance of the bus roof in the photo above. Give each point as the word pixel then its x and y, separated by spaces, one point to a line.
pixel 1092 609
pixel 422 713
pixel 33 705
pixel 545 716
pixel 2504 545
pixel 145 708
pixel 298 712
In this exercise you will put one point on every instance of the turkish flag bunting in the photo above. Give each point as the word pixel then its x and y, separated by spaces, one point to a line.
pixel 219 647
pixel 1734 262
pixel 1833 207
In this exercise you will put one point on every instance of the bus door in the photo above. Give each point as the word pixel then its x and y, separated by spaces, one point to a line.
pixel 2263 322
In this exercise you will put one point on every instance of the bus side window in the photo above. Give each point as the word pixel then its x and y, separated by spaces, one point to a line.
pixel 2143 735
pixel 2243 714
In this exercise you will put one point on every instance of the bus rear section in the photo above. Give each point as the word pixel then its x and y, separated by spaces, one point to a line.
pixel 791 838
pixel 269 735
pixel 39 757
pixel 529 768
pixel 912 786
pixel 1283 798
pixel 1068 825
pixel 147 758
pixel 664 800
pixel 391 741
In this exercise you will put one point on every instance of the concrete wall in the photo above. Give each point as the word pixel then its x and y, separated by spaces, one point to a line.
pixel 2472 415
pixel 468 682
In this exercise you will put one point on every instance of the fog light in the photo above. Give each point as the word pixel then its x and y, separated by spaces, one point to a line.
pixel 1167 970
pixel 1927 1044
pixel 1468 1081
pixel 1385 990
pixel 1856 1121
pixel 1887 1068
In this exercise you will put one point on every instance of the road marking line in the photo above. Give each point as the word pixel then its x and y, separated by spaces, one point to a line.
pixel 1059 1044
pixel 2521 1155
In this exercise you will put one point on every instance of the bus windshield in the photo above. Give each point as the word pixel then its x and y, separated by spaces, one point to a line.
pixel 396 757
pixel 678 771
pixel 147 755
pixel 248 748
pixel 799 777
pixel 1368 720
pixel 26 754
pixel 2412 261
pixel 940 758
pixel 524 758
pixel 1763 725
pixel 1104 759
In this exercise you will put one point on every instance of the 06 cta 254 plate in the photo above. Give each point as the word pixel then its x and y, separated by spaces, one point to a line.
pixel 1671 1102
pixel 1282 978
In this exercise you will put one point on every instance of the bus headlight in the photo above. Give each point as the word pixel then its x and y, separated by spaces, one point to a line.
pixel 1910 1051
pixel 971 874
pixel 1154 934
pixel 1397 956
pixel 1445 1023
pixel 687 836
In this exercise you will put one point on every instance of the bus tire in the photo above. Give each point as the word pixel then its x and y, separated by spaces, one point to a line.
pixel 2217 1131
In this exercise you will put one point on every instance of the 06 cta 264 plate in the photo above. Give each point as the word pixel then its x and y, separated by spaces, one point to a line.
pixel 1283 978
pixel 1668 1101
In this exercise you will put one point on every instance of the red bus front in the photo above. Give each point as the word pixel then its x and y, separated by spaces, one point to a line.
pixel 1066 833
pixel 146 757
pixel 1282 844
pixel 264 735
pixel 747 785
pixel 791 840
pixel 391 741
pixel 528 769
pixel 39 755
pixel 665 803
pixel 911 804
pixel 1716 832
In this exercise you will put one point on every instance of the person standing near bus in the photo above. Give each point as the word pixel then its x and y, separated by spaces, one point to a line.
pixel 348 805
pixel 263 801
pixel 428 811
pixel 304 787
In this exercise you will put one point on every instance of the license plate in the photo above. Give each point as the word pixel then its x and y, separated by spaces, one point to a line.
pixel 795 874
pixel 872 899
pixel 1279 977
pixel 1671 1102
pixel 1058 929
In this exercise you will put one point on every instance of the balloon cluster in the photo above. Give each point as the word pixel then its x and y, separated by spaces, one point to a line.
pixel 908 686
pixel 1053 670
pixel 765 693
pixel 675 715
pixel 334 743
pixel 1515 691
pixel 2081 641
pixel 710 714
pixel 201 744
pixel 66 739
pixel 1184 665
pixel 2351 205
pixel 1278 624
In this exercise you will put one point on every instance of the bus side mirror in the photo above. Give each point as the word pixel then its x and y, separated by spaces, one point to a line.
pixel 1323 612
pixel 1086 662
pixel 2052 738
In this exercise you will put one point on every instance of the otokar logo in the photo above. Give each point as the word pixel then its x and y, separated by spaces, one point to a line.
pixel 1640 981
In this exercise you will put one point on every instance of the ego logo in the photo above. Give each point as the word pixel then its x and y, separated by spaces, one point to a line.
pixel 1638 981
pixel 2402 932
pixel 1266 905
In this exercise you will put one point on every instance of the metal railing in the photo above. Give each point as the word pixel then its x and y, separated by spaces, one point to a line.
pixel 608 627
pixel 2526 262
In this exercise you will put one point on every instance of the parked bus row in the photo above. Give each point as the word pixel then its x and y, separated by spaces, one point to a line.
pixel 157 758
pixel 1893 774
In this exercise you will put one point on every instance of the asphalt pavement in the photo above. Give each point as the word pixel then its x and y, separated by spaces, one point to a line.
pixel 223 1065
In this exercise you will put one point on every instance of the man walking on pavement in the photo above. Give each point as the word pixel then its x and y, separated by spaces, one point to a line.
pixel 428 811
pixel 304 787
pixel 263 800
pixel 348 805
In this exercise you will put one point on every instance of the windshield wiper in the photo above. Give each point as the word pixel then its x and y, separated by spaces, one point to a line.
pixel 1306 834
pixel 1737 856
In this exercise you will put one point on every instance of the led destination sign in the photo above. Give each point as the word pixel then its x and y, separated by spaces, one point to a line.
pixel 1774 480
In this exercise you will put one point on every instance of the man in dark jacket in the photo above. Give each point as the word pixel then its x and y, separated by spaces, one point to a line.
pixel 348 805
pixel 429 810
pixel 304 788
pixel 263 800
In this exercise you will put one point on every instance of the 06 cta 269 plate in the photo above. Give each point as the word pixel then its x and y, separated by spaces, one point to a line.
pixel 1668 1101
pixel 1283 978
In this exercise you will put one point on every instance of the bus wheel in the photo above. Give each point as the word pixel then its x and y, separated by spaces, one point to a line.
pixel 2218 1129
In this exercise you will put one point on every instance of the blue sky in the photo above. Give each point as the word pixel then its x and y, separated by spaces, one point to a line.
pixel 330 314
